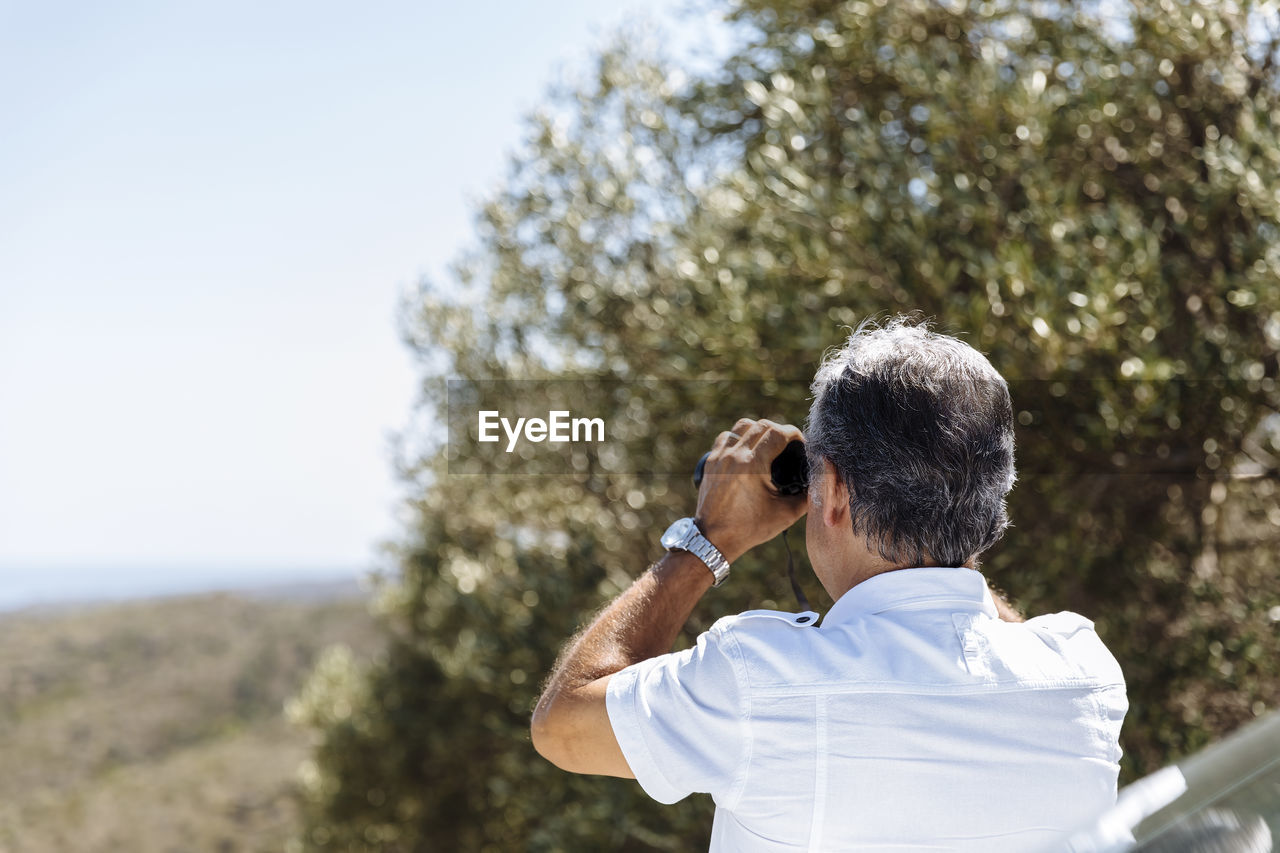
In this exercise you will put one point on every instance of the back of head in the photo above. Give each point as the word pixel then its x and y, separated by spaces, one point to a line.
pixel 919 426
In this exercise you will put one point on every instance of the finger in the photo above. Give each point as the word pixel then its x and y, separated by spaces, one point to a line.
pixel 743 425
pixel 768 427
pixel 775 437
pixel 753 435
pixel 725 440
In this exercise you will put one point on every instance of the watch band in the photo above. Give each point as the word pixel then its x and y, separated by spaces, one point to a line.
pixel 684 535
pixel 702 548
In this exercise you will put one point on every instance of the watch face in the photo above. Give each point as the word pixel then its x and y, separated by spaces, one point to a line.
pixel 676 533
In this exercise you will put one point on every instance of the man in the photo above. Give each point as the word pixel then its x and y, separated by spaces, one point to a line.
pixel 922 713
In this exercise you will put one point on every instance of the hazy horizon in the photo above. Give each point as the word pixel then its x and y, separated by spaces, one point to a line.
pixel 36 586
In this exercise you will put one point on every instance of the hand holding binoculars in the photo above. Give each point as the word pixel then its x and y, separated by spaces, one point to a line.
pixel 789 470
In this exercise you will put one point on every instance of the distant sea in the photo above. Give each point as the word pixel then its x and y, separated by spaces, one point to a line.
pixel 22 587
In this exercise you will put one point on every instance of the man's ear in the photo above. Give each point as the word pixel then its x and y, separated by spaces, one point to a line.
pixel 835 497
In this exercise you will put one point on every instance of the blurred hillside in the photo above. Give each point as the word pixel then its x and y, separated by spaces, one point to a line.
pixel 159 725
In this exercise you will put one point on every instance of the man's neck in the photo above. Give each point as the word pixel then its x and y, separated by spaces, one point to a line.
pixel 870 565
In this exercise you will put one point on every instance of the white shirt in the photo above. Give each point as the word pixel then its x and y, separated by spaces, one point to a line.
pixel 911 719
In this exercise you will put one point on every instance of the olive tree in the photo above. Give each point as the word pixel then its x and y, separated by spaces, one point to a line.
pixel 1088 195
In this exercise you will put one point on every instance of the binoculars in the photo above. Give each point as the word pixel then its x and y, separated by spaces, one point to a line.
pixel 789 469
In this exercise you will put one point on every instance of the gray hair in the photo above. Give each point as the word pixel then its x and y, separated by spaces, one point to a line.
pixel 919 426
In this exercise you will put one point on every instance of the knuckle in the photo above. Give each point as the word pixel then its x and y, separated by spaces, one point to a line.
pixel 743 424
pixel 775 435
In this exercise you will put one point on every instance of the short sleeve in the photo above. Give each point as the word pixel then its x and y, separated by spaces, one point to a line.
pixel 681 720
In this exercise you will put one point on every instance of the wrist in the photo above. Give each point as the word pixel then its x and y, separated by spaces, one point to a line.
pixel 685 535
pixel 721 537
pixel 683 569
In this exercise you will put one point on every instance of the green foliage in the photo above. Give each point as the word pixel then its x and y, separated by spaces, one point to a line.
pixel 1091 203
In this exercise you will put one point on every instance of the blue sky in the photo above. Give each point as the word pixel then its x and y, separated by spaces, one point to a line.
pixel 208 212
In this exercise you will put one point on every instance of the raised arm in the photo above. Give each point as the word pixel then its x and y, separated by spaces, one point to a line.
pixel 737 510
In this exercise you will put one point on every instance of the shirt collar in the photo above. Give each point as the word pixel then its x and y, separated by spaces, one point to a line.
pixel 959 588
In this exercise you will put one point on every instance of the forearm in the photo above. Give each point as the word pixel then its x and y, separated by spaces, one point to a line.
pixel 737 510
pixel 639 624
pixel 570 726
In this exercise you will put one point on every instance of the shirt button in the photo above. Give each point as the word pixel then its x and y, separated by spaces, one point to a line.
pixel 801 620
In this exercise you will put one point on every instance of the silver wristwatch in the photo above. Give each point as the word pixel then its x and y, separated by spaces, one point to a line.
pixel 684 535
